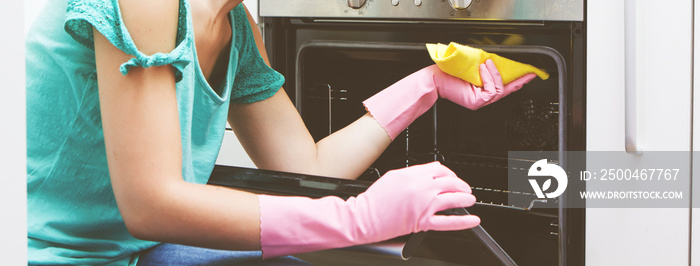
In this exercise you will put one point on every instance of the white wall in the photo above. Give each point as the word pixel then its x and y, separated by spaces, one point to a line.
pixel 695 214
pixel 13 197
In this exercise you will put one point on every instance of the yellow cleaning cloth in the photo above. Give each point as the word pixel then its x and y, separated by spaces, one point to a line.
pixel 463 62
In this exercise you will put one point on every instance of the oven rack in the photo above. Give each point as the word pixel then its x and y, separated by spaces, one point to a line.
pixel 491 193
pixel 529 207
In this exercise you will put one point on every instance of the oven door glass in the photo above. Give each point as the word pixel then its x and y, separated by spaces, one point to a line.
pixel 334 77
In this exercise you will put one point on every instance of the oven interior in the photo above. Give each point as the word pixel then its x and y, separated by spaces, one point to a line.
pixel 335 78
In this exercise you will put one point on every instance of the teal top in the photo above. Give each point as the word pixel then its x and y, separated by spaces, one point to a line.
pixel 72 214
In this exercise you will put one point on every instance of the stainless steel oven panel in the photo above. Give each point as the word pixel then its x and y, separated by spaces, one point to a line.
pixel 414 10
pixel 522 49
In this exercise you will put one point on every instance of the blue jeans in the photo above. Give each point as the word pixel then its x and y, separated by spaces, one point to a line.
pixel 171 254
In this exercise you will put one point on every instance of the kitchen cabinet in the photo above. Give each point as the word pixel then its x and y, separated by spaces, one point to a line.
pixel 664 39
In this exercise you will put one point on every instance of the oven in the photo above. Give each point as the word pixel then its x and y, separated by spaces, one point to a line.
pixel 337 53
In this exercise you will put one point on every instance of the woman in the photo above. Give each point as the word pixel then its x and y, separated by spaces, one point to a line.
pixel 127 104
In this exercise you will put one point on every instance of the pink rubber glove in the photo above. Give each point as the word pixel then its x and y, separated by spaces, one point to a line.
pixel 400 202
pixel 400 104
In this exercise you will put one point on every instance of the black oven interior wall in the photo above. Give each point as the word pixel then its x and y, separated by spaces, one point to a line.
pixel 331 67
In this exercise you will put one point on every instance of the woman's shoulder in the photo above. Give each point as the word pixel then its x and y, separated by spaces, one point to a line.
pixel 109 18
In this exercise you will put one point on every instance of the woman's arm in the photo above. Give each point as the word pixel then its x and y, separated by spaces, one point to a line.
pixel 275 137
pixel 142 138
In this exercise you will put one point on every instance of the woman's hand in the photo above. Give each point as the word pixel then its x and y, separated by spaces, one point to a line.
pixel 473 97
pixel 401 202
pixel 400 104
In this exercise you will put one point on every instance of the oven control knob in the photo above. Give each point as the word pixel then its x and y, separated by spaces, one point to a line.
pixel 460 4
pixel 357 3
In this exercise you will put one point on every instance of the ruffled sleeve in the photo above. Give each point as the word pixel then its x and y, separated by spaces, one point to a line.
pixel 105 16
pixel 254 80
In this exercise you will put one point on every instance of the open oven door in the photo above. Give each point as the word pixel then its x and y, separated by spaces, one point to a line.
pixel 475 243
